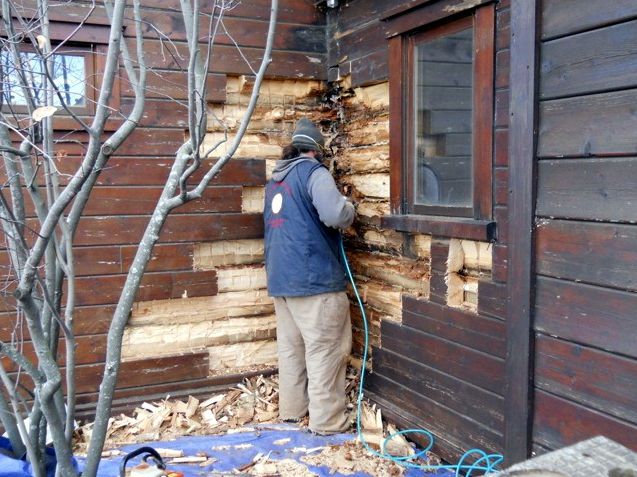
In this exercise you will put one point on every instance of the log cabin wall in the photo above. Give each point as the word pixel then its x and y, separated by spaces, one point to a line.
pixel 436 302
pixel 202 314
pixel 586 237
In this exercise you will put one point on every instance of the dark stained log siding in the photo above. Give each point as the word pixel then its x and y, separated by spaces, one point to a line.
pixel 586 250
pixel 127 189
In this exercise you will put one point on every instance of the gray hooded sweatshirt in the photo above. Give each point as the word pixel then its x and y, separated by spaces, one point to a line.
pixel 333 208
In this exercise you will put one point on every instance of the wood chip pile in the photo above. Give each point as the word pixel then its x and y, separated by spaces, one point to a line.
pixel 251 403
pixel 256 400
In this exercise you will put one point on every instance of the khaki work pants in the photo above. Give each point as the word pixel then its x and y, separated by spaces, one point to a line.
pixel 314 337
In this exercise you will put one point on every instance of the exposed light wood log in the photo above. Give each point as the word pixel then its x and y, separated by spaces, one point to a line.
pixel 362 160
pixel 244 278
pixel 227 357
pixel 160 340
pixel 375 96
pixel 369 133
pixel 192 310
pixel 411 275
pixel 252 199
pixel 370 185
pixel 209 255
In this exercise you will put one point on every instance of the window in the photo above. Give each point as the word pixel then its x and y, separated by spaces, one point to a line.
pixel 441 87
pixel 72 70
pixel 68 73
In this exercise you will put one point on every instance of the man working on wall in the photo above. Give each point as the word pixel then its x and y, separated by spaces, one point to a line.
pixel 306 277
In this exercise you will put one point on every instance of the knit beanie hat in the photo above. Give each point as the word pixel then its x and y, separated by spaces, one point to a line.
pixel 307 136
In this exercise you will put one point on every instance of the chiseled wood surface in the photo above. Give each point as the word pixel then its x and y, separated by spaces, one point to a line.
pixel 586 253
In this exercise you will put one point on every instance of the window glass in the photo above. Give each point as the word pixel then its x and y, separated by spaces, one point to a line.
pixel 68 75
pixel 442 169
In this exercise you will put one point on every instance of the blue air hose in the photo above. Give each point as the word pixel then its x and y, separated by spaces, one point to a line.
pixel 484 463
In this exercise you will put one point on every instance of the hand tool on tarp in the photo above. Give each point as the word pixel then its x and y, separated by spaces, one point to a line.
pixel 145 469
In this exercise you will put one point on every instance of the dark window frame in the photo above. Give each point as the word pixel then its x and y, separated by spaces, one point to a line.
pixel 404 32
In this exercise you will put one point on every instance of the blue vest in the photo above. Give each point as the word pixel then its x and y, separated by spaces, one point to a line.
pixel 302 255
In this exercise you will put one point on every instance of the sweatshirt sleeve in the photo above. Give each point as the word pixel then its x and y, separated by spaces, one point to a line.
pixel 333 208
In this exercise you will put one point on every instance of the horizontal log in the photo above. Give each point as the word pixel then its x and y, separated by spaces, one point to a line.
pixel 365 160
pixel 459 429
pixel 558 422
pixel 141 171
pixel 114 259
pixel 356 42
pixel 475 331
pixel 178 228
pixel 106 290
pixel 590 62
pixel 383 298
pixel 142 141
pixel 89 320
pixel 597 189
pixel 89 350
pixel 209 255
pixel 369 185
pixel 596 253
pixel 241 278
pixel 492 299
pixel 369 69
pixel 244 31
pixel 204 308
pixel 142 201
pixel 563 17
pixel 162 113
pixel 240 355
pixel 290 11
pixel 174 85
pixel 160 340
pixel 465 399
pixel 126 400
pixel 599 317
pixel 402 272
pixel 582 374
pixel 595 125
pixel 368 133
pixel 228 60
pixel 135 373
pixel 451 358
pixel 138 373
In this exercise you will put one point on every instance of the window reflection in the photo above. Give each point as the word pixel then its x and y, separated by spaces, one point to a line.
pixel 68 74
pixel 443 106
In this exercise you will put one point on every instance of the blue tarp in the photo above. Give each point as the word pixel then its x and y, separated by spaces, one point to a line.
pixel 10 467
pixel 231 451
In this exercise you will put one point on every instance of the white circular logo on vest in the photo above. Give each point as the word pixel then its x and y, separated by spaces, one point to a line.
pixel 277 203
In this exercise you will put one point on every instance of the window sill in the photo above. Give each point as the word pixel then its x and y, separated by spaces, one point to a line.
pixel 456 227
